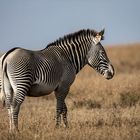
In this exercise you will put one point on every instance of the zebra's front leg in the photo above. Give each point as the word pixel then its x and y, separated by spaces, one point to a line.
pixel 61 108
pixel 64 114
pixel 61 111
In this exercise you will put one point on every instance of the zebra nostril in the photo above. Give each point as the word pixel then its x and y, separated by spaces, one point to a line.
pixel 108 75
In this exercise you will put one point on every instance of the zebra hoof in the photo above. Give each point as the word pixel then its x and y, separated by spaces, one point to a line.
pixel 57 126
pixel 14 131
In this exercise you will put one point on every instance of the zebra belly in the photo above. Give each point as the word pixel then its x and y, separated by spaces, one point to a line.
pixel 40 90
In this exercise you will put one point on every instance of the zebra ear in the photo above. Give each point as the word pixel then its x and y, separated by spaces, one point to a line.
pixel 101 33
pixel 99 36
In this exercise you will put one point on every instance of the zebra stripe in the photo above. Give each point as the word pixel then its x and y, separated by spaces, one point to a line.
pixel 37 73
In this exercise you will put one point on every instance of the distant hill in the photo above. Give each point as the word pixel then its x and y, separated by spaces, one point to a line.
pixel 125 45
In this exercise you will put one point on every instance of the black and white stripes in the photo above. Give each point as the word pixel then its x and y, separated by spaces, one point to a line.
pixel 75 47
pixel 37 73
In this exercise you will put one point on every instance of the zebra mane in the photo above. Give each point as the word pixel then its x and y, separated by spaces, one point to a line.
pixel 72 36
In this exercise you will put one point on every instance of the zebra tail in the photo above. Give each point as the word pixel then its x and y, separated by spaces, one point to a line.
pixel 2 92
pixel 3 72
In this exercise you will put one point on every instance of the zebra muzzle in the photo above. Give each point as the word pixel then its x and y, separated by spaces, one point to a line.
pixel 109 73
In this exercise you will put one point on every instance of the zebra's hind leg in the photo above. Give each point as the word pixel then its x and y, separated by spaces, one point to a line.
pixel 61 108
pixel 8 101
pixel 8 106
pixel 17 100
pixel 15 111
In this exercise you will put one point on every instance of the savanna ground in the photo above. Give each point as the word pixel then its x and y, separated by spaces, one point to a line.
pixel 98 109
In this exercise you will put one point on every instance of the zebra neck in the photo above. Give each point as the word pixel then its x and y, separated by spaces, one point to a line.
pixel 76 54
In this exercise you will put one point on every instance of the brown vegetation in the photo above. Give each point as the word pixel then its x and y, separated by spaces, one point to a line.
pixel 98 109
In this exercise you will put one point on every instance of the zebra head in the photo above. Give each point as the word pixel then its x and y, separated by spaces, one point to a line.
pixel 97 57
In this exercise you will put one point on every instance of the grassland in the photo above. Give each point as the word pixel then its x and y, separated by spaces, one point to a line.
pixel 98 109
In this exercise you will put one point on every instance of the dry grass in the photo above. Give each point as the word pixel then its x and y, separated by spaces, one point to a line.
pixel 98 109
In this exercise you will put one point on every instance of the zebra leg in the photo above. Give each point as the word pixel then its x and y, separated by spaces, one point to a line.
pixel 64 114
pixel 60 107
pixel 8 100
pixel 15 107
pixel 8 106
pixel 15 111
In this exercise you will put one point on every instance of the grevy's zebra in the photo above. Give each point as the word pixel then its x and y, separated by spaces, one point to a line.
pixel 37 73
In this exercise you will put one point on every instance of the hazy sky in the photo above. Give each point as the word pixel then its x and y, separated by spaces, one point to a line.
pixel 32 24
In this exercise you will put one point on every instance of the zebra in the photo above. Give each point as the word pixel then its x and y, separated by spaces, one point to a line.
pixel 52 69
